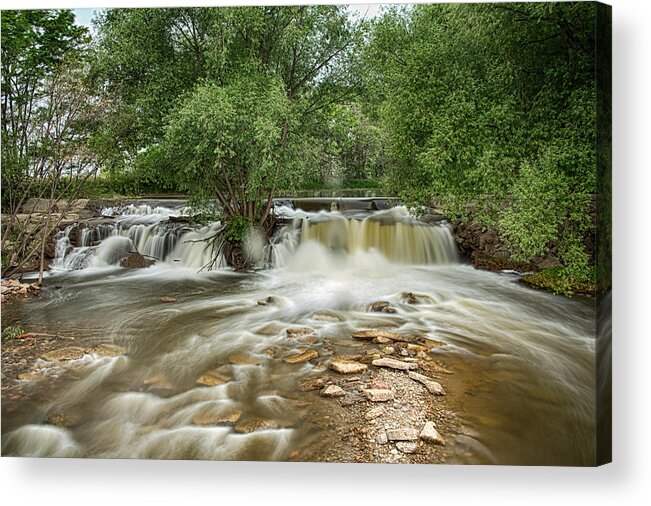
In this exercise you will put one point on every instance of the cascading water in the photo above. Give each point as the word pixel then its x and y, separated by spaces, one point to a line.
pixel 199 371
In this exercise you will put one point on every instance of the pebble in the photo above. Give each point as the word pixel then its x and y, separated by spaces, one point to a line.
pixel 382 439
pixel 407 447
pixel 374 413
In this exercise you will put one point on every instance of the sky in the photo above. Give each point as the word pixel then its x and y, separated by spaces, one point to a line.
pixel 84 16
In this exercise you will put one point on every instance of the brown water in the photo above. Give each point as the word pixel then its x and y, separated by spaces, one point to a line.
pixel 524 382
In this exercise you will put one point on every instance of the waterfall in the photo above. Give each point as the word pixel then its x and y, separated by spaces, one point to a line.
pixel 394 234
pixel 391 235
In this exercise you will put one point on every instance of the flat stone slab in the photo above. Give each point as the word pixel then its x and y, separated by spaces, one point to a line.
pixel 433 387
pixel 212 379
pixel 394 364
pixel 370 334
pixel 108 350
pixel 313 384
pixel 333 391
pixel 255 425
pixel 302 357
pixel 429 434
pixel 244 359
pixel 379 395
pixel 402 434
pixel 293 332
pixel 227 416
pixel 346 367
pixel 374 413
pixel 67 353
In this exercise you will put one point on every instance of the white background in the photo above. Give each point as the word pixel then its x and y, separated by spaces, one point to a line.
pixel 627 481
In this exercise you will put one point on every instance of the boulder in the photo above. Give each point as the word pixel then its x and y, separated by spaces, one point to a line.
pixel 135 261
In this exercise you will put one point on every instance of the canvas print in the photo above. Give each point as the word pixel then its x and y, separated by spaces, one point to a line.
pixel 308 233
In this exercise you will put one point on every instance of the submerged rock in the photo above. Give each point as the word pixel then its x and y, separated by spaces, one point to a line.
pixel 67 353
pixel 227 416
pixel 255 425
pixel 302 357
pixel 313 384
pixel 61 418
pixel 242 358
pixel 381 335
pixel 167 299
pixel 213 378
pixel 108 350
pixel 293 332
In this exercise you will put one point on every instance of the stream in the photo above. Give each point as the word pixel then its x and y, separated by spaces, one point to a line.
pixel 523 360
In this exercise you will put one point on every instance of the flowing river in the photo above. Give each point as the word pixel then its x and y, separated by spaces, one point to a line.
pixel 523 360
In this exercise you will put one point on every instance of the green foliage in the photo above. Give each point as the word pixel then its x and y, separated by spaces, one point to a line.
pixel 12 332
pixel 492 108
pixel 236 228
pixel 563 281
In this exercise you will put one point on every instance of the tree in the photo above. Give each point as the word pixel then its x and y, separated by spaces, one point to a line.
pixel 493 105
pixel 47 118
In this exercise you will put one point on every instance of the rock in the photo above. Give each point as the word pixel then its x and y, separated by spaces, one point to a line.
pixel 429 434
pixel 108 350
pixel 379 395
pixel 382 340
pixel 326 316
pixel 407 447
pixel 167 299
pixel 333 391
pixel 135 261
pixel 29 376
pixel 382 439
pixel 394 364
pixel 379 306
pixel 61 419
pixel 370 334
pixel 68 353
pixel 433 387
pixel 313 383
pixel 255 425
pixel 158 382
pixel 414 298
pixel 402 434
pixel 374 413
pixel 344 367
pixel 293 332
pixel 213 378
pixel 379 384
pixel 241 358
pixel 302 357
pixel 227 416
